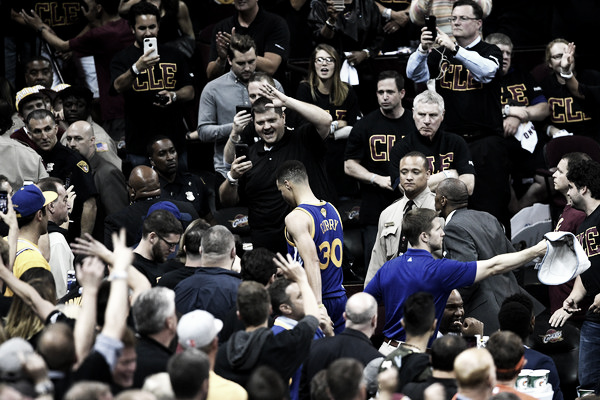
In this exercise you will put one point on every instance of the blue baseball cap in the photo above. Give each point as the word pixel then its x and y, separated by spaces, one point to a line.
pixel 29 199
pixel 170 207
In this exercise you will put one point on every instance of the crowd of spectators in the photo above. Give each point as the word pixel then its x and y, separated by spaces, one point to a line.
pixel 171 173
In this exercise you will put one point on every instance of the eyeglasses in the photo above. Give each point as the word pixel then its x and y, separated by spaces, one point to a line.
pixel 324 60
pixel 172 246
pixel 462 18
pixel 557 56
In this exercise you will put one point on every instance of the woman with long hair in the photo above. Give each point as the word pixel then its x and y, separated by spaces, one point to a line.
pixel 324 88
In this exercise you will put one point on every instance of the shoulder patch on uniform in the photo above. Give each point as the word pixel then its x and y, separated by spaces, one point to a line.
pixel 101 147
pixel 83 166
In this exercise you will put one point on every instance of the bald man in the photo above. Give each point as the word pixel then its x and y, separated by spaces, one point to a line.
pixel 144 191
pixel 475 374
pixel 109 180
pixel 354 341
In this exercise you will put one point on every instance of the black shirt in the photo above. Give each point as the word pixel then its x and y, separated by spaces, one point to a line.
pixel 143 119
pixel 258 190
pixel 188 188
pixel 370 143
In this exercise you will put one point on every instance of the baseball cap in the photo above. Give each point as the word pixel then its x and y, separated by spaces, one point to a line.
pixel 10 363
pixel 30 198
pixel 197 329
pixel 170 207
pixel 37 90
pixel 564 259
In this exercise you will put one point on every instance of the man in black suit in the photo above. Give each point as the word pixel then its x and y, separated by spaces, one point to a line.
pixel 476 235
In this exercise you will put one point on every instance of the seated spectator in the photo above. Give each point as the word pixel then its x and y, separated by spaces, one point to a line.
pixel 144 192
pixel 516 316
pixel 443 353
pixel 508 352
pixel 454 321
pixel 324 88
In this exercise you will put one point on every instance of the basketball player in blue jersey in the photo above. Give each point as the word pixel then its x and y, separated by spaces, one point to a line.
pixel 315 238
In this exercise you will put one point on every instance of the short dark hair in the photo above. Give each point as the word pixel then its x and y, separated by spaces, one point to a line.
pixel 266 384
pixel 277 292
pixel 395 75
pixel 586 173
pixel 152 142
pixel 260 107
pixel 507 351
pixel 419 313
pixel 445 349
pixel 418 154
pixel 576 156
pixel 253 303
pixel 344 378
pixel 192 237
pixel 416 222
pixel 142 8
pixel 257 265
pixel 50 184
pixel 80 93
pixel 291 170
pixel 111 7
pixel 454 190
pixel 477 10
pixel 163 223
pixel 515 315
pixel 40 114
pixel 241 43
pixel 318 386
pixel 188 372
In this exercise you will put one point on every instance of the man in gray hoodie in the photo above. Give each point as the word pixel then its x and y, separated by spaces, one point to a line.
pixel 257 345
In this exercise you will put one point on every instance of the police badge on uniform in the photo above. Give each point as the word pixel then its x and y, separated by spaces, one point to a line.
pixel 190 196
pixel 83 166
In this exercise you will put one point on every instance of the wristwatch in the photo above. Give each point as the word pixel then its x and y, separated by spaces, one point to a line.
pixel 506 111
pixel 232 181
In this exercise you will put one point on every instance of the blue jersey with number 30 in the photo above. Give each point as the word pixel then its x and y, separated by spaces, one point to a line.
pixel 327 233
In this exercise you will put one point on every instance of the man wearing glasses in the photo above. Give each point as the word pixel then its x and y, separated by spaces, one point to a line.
pixel 161 232
pixel 466 74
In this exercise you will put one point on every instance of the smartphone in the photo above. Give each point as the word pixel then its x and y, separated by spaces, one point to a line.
pixel 4 201
pixel 338 5
pixel 161 99
pixel 150 44
pixel 430 23
pixel 241 149
pixel 248 109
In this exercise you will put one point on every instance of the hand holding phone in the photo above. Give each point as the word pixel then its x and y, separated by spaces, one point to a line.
pixel 150 44
pixel 3 201
pixel 430 23
pixel 241 149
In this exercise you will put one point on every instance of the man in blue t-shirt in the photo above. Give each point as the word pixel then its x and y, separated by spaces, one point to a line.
pixel 417 270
